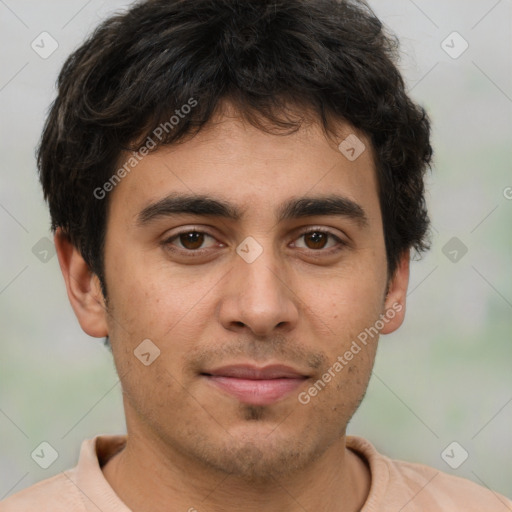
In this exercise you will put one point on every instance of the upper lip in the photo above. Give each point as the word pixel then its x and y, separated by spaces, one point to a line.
pixel 245 371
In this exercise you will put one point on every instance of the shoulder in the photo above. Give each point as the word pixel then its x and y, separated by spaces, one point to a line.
pixel 447 491
pixel 56 494
pixel 414 487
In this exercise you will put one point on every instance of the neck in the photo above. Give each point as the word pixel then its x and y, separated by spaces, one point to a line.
pixel 150 476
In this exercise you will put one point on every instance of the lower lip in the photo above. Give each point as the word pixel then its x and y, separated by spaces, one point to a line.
pixel 256 392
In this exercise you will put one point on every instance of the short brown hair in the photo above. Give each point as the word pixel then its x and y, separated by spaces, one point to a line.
pixel 139 67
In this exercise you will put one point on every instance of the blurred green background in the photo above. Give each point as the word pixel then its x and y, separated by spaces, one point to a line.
pixel 444 376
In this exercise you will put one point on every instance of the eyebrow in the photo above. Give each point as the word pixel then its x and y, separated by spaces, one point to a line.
pixel 294 208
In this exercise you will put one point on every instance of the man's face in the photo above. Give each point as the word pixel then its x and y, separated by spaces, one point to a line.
pixel 222 308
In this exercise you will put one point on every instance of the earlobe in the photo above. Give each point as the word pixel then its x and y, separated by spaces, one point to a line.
pixel 394 305
pixel 83 287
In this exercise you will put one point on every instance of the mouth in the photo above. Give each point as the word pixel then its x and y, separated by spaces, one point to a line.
pixel 253 385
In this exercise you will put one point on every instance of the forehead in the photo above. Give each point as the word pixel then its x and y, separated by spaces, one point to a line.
pixel 252 169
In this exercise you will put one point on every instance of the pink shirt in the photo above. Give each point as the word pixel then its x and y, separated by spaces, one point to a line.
pixel 396 486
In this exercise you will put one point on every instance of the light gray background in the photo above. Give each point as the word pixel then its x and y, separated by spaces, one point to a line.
pixel 445 376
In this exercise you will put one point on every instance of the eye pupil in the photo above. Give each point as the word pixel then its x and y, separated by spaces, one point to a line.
pixel 193 239
pixel 318 238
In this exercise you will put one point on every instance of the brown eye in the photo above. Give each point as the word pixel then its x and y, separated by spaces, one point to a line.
pixel 192 240
pixel 316 239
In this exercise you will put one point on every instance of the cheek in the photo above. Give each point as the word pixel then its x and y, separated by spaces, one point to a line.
pixel 151 299
pixel 171 312
pixel 343 315
pixel 346 304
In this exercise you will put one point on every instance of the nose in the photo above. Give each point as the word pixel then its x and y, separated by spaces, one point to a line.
pixel 258 297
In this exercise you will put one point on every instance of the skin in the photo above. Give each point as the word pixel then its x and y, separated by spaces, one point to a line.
pixel 191 445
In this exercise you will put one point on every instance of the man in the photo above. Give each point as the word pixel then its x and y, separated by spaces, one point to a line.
pixel 235 189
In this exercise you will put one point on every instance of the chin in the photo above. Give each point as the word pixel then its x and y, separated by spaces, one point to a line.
pixel 260 453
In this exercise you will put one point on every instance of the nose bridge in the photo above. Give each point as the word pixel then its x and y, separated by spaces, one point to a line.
pixel 261 300
pixel 261 275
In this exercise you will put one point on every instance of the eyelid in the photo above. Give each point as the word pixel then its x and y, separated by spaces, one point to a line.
pixel 298 234
pixel 168 239
pixel 341 242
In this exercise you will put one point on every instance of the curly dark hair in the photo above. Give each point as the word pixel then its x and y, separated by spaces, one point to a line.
pixel 332 58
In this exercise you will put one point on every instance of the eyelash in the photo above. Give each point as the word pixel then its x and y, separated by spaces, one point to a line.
pixel 199 252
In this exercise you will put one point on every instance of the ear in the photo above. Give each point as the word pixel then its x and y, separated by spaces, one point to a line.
pixel 83 287
pixel 394 305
